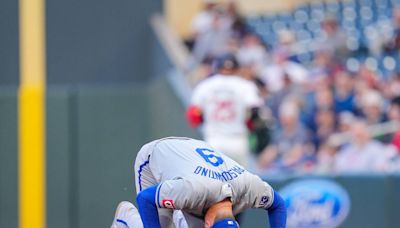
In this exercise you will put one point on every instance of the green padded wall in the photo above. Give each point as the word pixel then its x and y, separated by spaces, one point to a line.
pixel 365 191
pixel 393 209
pixel 59 148
pixel 113 123
pixel 8 158
pixel 93 135
pixel 374 200
pixel 166 113
pixel 9 43
pixel 111 127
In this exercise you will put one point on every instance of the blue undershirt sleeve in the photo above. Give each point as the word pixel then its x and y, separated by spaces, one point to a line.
pixel 277 212
pixel 146 201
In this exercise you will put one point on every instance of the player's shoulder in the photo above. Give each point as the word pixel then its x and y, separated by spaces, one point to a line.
pixel 171 139
pixel 177 140
pixel 250 180
pixel 209 79
pixel 174 138
pixel 240 80
pixel 217 80
pixel 206 84
pixel 244 84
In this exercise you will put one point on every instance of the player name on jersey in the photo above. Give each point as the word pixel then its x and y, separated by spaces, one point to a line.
pixel 223 176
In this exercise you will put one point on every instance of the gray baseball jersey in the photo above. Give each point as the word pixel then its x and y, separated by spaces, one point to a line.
pixel 192 177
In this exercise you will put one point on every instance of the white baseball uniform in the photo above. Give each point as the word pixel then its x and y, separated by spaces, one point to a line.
pixel 225 102
pixel 192 177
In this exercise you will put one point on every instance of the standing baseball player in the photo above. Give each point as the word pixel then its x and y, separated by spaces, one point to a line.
pixel 225 103
pixel 208 187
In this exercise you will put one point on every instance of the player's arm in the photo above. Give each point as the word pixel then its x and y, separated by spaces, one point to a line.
pixel 194 115
pixel 257 113
pixel 172 194
pixel 253 118
pixel 263 196
pixel 146 201
pixel 277 212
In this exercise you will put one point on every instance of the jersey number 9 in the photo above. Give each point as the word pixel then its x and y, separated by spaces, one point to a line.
pixel 210 157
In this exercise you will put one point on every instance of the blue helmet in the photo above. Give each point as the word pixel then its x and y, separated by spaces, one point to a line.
pixel 226 223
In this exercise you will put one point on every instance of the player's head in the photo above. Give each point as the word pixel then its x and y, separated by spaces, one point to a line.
pixel 220 215
pixel 227 64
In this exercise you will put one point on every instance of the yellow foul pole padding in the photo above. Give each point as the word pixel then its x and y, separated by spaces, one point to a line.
pixel 32 184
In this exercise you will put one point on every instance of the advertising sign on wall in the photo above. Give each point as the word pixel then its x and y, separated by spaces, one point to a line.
pixel 315 203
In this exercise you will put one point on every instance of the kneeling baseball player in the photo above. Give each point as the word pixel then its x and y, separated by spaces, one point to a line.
pixel 183 181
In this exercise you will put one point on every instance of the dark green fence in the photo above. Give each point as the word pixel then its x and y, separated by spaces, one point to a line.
pixel 93 135
pixel 8 158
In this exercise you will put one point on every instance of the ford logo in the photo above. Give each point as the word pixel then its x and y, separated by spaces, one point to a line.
pixel 315 203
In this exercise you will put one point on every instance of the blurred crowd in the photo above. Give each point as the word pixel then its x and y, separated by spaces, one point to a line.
pixel 329 76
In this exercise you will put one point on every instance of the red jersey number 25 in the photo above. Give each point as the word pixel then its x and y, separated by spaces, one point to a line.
pixel 224 111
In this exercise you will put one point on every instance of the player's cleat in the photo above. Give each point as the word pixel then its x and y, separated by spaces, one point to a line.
pixel 126 216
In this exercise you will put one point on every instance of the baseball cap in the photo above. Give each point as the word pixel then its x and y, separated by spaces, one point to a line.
pixel 227 61
pixel 226 223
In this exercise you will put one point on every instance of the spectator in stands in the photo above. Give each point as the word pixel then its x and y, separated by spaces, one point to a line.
pixel 289 145
pixel 392 45
pixel 321 68
pixel 345 120
pixel 214 41
pixel 369 77
pixel 334 39
pixel 238 26
pixel 217 30
pixel 212 33
pixel 320 100
pixel 327 150
pixel 325 125
pixel 324 98
pixel 286 42
pixel 391 87
pixel 252 53
pixel 362 154
pixel 201 22
pixel 274 74
pixel 344 93
pixel 324 65
pixel 325 158
pixel 394 114
pixel 372 107
pixel 289 90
